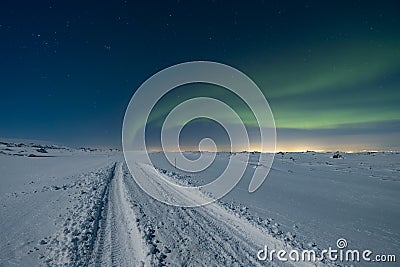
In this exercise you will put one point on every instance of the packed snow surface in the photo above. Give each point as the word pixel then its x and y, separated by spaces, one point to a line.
pixel 79 207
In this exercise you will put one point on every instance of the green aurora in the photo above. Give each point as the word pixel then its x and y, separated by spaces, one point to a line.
pixel 334 87
pixel 330 70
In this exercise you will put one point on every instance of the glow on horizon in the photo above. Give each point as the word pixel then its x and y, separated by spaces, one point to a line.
pixel 278 149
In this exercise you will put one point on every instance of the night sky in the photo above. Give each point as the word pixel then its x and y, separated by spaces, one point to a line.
pixel 330 70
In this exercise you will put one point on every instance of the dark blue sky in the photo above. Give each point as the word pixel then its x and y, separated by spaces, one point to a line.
pixel 330 70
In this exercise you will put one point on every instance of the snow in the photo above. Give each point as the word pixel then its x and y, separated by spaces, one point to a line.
pixel 319 198
pixel 39 194
pixel 70 207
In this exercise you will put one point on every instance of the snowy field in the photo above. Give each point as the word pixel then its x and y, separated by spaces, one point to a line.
pixel 78 207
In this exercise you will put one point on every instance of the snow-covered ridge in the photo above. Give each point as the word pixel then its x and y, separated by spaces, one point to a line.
pixel 30 148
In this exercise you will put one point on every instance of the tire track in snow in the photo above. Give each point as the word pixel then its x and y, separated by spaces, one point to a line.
pixel 102 211
pixel 73 244
pixel 202 236
pixel 119 241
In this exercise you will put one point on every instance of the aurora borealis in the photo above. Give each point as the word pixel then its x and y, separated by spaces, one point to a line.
pixel 330 70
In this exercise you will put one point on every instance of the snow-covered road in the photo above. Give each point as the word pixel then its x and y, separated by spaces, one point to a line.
pixel 99 216
pixel 84 208
pixel 135 230
pixel 118 241
pixel 209 235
